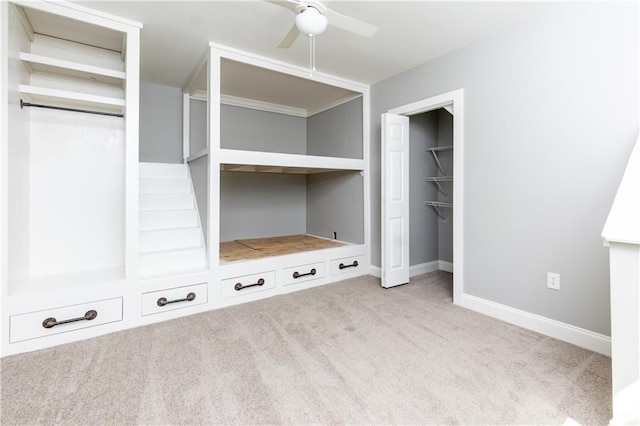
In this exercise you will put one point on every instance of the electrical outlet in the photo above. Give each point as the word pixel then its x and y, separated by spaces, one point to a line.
pixel 553 281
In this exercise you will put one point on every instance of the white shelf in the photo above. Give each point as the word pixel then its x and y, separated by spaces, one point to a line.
pixel 72 69
pixel 43 94
pixel 268 162
pixel 438 204
pixel 440 148
pixel 439 178
pixel 436 181
pixel 61 281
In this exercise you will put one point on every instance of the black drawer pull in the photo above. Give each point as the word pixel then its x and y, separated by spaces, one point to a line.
pixel 297 275
pixel 163 300
pixel 240 286
pixel 353 265
pixel 52 322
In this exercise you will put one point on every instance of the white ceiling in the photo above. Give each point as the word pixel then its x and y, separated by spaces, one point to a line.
pixel 176 33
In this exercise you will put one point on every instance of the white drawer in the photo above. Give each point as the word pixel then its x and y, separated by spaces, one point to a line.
pixel 346 265
pixel 302 273
pixel 54 321
pixel 174 298
pixel 248 284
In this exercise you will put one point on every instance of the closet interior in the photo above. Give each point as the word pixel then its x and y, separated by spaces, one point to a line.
pixel 431 190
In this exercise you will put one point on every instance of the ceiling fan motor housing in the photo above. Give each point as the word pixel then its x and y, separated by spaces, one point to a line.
pixel 311 22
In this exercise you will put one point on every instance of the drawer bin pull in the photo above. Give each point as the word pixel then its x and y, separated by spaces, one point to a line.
pixel 163 300
pixel 52 322
pixel 353 265
pixel 240 286
pixel 297 275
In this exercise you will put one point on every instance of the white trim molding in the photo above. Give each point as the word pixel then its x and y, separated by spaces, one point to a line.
pixel 279 109
pixel 262 106
pixel 558 330
pixel 414 270
pixel 454 98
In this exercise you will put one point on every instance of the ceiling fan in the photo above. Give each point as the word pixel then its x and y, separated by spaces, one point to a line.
pixel 312 18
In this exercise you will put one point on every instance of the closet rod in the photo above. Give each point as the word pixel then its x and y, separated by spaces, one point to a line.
pixel 110 114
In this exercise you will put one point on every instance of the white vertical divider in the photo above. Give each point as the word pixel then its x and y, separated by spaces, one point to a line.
pixel 132 297
pixel 457 97
pixel 213 144
pixel 366 175
pixel 186 114
pixel 132 120
pixel 4 170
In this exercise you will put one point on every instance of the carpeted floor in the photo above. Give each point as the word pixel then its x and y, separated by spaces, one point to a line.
pixel 350 352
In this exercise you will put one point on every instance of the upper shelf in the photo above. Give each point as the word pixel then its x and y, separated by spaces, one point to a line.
pixel 440 148
pixel 268 162
pixel 68 98
pixel 439 178
pixel 72 69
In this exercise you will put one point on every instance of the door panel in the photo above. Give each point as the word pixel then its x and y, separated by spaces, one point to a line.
pixel 395 200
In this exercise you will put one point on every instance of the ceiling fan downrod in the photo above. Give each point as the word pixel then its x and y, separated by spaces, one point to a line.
pixel 312 55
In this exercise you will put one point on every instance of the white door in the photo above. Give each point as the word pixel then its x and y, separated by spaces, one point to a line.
pixel 395 200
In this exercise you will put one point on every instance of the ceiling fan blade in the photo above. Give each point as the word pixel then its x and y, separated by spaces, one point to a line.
pixel 350 24
pixel 287 4
pixel 288 40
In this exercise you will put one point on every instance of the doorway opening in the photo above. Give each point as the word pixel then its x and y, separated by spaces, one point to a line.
pixel 443 187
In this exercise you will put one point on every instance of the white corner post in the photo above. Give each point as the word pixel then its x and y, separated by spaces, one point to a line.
pixel 622 234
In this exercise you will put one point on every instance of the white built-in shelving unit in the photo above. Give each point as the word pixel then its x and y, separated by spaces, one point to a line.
pixel 79 255
pixel 70 104
pixel 246 84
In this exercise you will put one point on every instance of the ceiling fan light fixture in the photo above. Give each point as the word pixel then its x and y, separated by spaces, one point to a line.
pixel 311 22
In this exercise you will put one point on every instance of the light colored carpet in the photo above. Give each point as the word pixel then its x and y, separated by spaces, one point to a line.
pixel 350 352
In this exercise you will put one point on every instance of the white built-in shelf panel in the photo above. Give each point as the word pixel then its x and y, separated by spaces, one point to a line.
pixel 67 98
pixel 72 69
pixel 269 162
pixel 440 148
pixel 62 281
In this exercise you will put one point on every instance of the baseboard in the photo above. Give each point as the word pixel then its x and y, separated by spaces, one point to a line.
pixel 445 266
pixel 423 268
pixel 558 330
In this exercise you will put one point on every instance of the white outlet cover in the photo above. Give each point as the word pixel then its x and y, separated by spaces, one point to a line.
pixel 553 281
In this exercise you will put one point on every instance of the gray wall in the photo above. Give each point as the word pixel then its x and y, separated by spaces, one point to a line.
pixel 551 115
pixel 197 126
pixel 160 123
pixel 253 130
pixel 254 205
pixel 335 203
pixel 336 132
pixel 423 222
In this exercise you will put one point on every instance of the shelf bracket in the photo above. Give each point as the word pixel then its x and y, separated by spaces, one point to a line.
pixel 440 188
pixel 438 212
pixel 437 160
